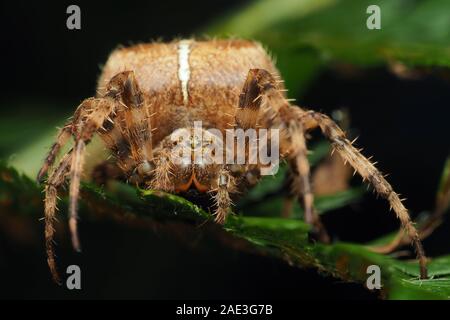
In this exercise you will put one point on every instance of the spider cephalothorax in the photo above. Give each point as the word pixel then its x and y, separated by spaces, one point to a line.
pixel 150 93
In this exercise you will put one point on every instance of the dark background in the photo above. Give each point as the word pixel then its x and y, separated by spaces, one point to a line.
pixel 404 123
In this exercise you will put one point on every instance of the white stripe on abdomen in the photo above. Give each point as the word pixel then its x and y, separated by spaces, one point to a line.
pixel 184 68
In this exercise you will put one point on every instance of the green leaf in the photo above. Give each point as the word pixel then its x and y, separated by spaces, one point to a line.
pixel 298 66
pixel 306 35
pixel 266 198
pixel 248 22
pixel 443 193
pixel 272 206
pixel 437 267
pixel 24 141
pixel 272 184
pixel 21 122
pixel 163 203
pixel 286 239
pixel 441 207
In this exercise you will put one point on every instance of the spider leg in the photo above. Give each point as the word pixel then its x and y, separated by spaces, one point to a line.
pixel 246 117
pixel 368 171
pixel 67 131
pixel 250 100
pixel 62 138
pixel 56 179
pixel 429 225
pixel 298 160
pixel 75 177
pixel 83 126
pixel 222 196
pixel 90 116
pixel 135 124
pixel 262 100
pixel 128 134
pixel 93 114
pixel 162 174
pixel 123 95
pixel 402 239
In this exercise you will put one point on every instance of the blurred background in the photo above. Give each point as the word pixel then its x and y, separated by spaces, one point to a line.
pixel 394 84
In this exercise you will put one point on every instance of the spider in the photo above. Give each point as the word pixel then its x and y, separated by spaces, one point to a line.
pixel 148 91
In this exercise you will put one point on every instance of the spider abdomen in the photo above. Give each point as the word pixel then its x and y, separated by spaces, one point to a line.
pixel 186 81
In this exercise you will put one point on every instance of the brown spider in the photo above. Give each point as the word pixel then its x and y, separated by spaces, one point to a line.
pixel 148 91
